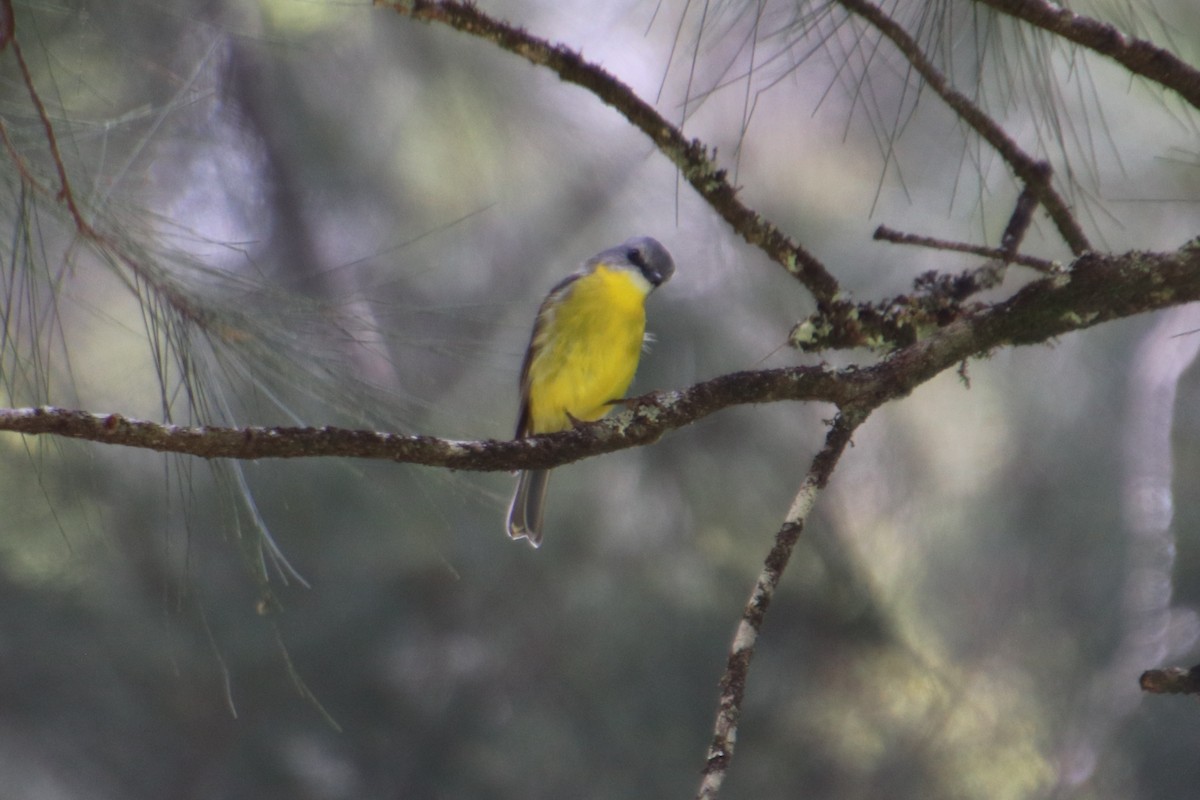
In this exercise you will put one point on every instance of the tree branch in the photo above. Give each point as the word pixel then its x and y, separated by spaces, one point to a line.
pixel 1033 173
pixel 1096 289
pixel 737 668
pixel 885 234
pixel 1019 222
pixel 1172 680
pixel 1085 297
pixel 692 158
pixel 1137 55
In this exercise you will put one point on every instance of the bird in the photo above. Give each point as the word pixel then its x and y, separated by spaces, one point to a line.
pixel 584 350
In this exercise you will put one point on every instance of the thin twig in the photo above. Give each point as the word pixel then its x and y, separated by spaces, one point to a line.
pixel 1018 223
pixel 692 157
pixel 1033 173
pixel 8 23
pixel 65 194
pixel 886 234
pixel 64 191
pixel 23 168
pixel 737 668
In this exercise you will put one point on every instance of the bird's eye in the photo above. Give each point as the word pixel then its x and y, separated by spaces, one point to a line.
pixel 635 258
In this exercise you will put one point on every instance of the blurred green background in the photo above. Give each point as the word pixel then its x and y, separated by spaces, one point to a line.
pixel 368 211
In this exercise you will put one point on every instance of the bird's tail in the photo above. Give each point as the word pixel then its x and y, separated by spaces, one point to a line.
pixel 525 513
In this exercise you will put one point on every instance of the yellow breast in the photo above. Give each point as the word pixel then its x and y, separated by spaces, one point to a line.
pixel 587 348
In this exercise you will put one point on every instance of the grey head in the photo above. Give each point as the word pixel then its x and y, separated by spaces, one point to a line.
pixel 645 253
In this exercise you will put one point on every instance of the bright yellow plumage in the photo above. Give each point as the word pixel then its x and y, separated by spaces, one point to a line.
pixel 584 351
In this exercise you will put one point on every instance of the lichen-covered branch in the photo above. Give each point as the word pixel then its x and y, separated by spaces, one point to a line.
pixel 1082 295
pixel 693 159
pixel 1095 289
pixel 737 667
